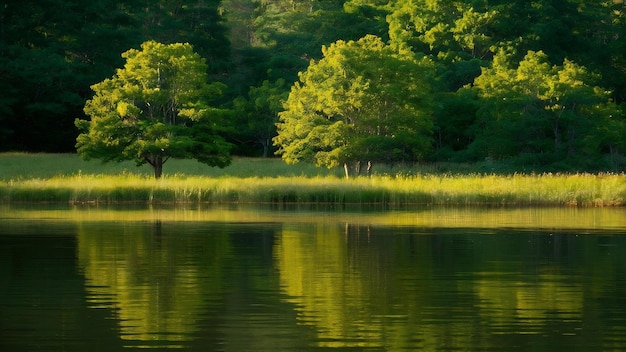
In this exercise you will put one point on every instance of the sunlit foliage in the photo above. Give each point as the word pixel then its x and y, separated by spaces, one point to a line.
pixel 363 101
pixel 153 109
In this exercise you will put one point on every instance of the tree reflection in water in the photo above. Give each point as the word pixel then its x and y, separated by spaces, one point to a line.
pixel 284 281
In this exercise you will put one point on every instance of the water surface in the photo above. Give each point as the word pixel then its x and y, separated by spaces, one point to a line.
pixel 238 278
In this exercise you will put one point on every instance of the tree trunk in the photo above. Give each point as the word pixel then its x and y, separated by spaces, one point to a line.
pixel 346 168
pixel 156 161
pixel 158 167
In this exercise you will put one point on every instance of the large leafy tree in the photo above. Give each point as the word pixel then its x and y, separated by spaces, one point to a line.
pixel 364 101
pixel 542 109
pixel 153 109
pixel 52 51
pixel 590 32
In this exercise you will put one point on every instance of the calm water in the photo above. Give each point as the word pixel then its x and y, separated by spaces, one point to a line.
pixel 263 279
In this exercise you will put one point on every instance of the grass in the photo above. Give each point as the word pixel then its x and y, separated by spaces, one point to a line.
pixel 66 178
pixel 25 166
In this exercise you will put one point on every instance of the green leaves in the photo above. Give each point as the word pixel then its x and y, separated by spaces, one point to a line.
pixel 52 51
pixel 440 26
pixel 359 92
pixel 257 115
pixel 154 108
pixel 538 108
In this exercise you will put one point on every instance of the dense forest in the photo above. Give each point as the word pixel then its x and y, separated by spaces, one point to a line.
pixel 533 82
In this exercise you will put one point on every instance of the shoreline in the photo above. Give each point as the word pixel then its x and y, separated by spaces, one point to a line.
pixel 571 190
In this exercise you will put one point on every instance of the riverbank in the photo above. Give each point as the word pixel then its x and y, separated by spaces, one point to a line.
pixel 514 190
pixel 67 179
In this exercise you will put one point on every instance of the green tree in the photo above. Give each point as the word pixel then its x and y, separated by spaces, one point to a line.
pixel 154 109
pixel 41 85
pixel 195 21
pixel 440 26
pixel 293 31
pixel 456 33
pixel 52 51
pixel 257 115
pixel 364 101
pixel 538 108
pixel 454 116
pixel 591 33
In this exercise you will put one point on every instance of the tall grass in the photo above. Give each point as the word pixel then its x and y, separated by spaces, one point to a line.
pixel 518 189
pixel 67 178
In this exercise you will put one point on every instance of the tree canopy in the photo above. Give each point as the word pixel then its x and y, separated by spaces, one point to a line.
pixel 363 101
pixel 53 51
pixel 153 109
pixel 538 108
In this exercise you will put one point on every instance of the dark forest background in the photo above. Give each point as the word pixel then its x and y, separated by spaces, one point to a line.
pixel 52 51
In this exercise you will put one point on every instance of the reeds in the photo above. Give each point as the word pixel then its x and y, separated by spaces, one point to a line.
pixel 427 189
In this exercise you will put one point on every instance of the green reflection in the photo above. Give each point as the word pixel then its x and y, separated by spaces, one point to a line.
pixel 558 219
pixel 504 302
pixel 342 282
pixel 230 278
pixel 326 289
pixel 157 282
pixel 372 287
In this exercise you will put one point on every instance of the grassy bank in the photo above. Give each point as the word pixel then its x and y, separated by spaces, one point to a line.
pixel 271 181
pixel 25 166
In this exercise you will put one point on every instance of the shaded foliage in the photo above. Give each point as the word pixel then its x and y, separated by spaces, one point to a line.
pixel 52 51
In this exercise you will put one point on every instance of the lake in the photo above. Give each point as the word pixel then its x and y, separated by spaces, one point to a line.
pixel 312 278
